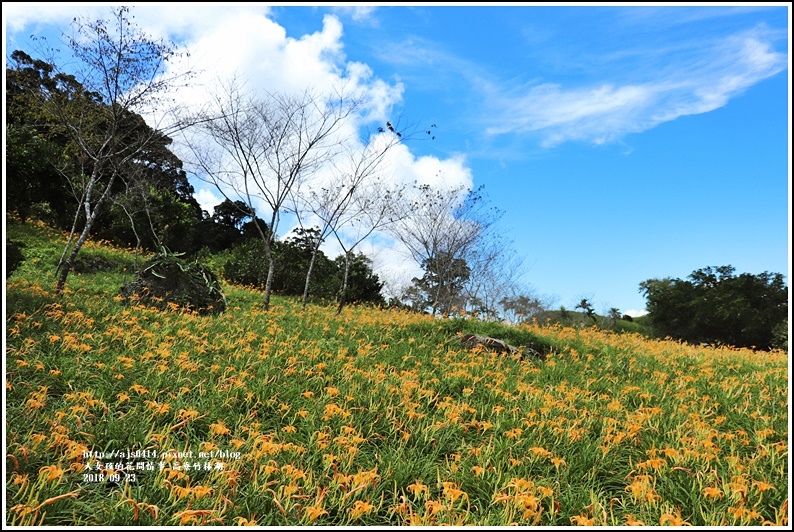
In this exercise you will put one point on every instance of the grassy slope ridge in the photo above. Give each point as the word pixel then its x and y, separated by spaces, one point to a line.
pixel 374 417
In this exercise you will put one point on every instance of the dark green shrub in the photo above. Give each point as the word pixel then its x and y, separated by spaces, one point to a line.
pixel 14 256
pixel 780 332
pixel 247 265
pixel 94 264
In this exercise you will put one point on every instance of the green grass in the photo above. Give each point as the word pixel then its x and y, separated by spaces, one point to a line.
pixel 374 417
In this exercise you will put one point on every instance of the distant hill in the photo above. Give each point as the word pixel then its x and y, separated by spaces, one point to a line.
pixel 571 318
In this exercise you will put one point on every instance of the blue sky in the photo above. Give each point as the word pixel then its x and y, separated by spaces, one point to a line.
pixel 622 143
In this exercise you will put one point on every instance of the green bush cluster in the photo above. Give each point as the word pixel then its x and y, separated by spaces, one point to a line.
pixel 246 265
pixel 14 256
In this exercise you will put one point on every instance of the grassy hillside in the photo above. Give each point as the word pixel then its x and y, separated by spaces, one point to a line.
pixel 572 318
pixel 126 415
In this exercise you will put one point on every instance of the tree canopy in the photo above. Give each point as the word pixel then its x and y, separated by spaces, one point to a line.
pixel 713 305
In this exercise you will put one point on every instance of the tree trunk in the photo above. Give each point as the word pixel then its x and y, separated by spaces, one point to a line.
pixel 271 269
pixel 308 277
pixel 71 235
pixel 135 231
pixel 90 218
pixel 271 264
pixel 67 265
pixel 343 293
pixel 437 296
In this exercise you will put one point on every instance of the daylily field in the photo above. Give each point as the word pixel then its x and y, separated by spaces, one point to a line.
pixel 125 415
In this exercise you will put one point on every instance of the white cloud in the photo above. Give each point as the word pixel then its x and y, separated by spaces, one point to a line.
pixel 606 112
pixel 405 168
pixel 241 40
pixel 257 47
pixel 175 22
pixel 248 44
pixel 19 16
pixel 636 313
pixel 392 268
pixel 207 199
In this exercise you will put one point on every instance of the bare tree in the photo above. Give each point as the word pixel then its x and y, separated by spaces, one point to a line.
pixel 495 273
pixel 523 305
pixel 261 151
pixel 356 197
pixel 120 72
pixel 133 201
pixel 374 207
pixel 444 230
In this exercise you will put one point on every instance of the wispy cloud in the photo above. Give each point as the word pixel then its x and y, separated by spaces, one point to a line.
pixel 607 111
pixel 359 13
pixel 664 17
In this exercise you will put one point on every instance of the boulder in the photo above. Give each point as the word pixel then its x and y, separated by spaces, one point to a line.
pixel 165 281
pixel 471 341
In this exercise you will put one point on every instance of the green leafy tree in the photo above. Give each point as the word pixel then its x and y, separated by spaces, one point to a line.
pixel 36 153
pixel 443 282
pixel 363 285
pixel 295 255
pixel 614 316
pixel 520 308
pixel 357 204
pixel 150 201
pixel 231 214
pixel 292 256
pixel 588 309
pixel 715 306
pixel 244 266
pixel 230 225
